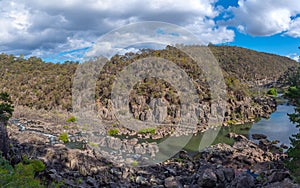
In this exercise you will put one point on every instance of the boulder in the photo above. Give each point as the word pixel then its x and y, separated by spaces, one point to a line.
pixel 259 136
pixel 208 179
pixel 243 181
pixel 172 182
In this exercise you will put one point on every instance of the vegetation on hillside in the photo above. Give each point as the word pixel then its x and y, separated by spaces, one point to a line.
pixel 294 151
pixel 250 65
pixel 40 85
pixel 35 83
pixel 22 174
pixel 6 110
pixel 6 107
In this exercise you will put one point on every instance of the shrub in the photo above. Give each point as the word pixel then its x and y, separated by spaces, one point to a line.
pixel 272 91
pixel 147 130
pixel 93 144
pixel 38 165
pixel 134 163
pixel 20 176
pixel 113 132
pixel 64 137
pixel 71 119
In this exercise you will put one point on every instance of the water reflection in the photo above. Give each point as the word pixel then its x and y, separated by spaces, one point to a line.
pixel 278 126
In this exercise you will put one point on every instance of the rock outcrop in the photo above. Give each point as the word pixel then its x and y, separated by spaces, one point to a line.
pixel 244 164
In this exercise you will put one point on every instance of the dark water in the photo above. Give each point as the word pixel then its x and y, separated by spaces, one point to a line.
pixel 278 126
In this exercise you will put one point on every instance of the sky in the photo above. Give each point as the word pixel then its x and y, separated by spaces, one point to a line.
pixel 61 30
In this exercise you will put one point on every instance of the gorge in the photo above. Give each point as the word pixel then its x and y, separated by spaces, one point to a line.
pixel 44 128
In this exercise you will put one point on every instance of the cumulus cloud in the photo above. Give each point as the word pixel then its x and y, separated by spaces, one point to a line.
pixel 294 56
pixel 265 18
pixel 154 34
pixel 35 27
pixel 294 30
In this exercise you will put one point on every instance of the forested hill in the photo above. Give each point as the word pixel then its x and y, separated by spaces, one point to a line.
pixel 251 65
pixel 39 84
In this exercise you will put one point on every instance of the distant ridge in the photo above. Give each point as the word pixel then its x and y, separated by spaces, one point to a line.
pixel 41 85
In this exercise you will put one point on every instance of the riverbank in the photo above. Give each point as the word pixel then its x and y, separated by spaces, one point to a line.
pixel 244 164
pixel 232 161
pixel 241 164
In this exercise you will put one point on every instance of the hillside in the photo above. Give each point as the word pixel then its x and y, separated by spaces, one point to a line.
pixel 252 66
pixel 41 85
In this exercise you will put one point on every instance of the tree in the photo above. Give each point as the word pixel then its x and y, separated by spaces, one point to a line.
pixel 6 110
pixel 294 151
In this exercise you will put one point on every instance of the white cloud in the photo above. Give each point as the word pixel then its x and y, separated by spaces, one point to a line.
pixel 294 56
pixel 264 18
pixel 294 30
pixel 43 27
pixel 157 35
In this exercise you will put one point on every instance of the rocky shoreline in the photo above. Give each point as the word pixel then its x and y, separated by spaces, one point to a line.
pixel 244 164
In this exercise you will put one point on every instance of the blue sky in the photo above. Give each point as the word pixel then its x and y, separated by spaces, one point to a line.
pixel 65 30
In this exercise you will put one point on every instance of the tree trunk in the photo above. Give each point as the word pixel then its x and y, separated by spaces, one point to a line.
pixel 4 144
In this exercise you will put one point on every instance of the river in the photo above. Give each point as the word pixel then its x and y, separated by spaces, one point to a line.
pixel 277 127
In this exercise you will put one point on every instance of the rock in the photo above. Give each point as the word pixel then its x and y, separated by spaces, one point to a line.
pixel 229 174
pixel 73 164
pixel 243 181
pixel 259 136
pixel 91 181
pixel 208 179
pixel 171 182
pixel 286 183
pixel 284 146
pixel 236 137
pixel 114 143
pixel 184 155
pixel 160 109
pixel 278 176
pixel 171 171
pixel 69 183
pixel 220 175
pixel 83 171
pixel 139 149
pixel 140 180
pixel 54 175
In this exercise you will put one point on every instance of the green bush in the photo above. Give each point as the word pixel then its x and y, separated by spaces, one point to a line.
pixel 113 132
pixel 38 165
pixel 22 175
pixel 272 91
pixel 135 163
pixel 71 119
pixel 64 137
pixel 147 130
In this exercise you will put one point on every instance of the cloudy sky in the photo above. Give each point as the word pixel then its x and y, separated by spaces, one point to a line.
pixel 60 30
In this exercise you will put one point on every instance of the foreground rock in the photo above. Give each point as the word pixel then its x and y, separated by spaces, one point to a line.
pixel 259 136
pixel 244 164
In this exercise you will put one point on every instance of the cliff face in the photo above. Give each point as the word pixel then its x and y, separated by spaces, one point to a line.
pixel 247 74
pixel 41 85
